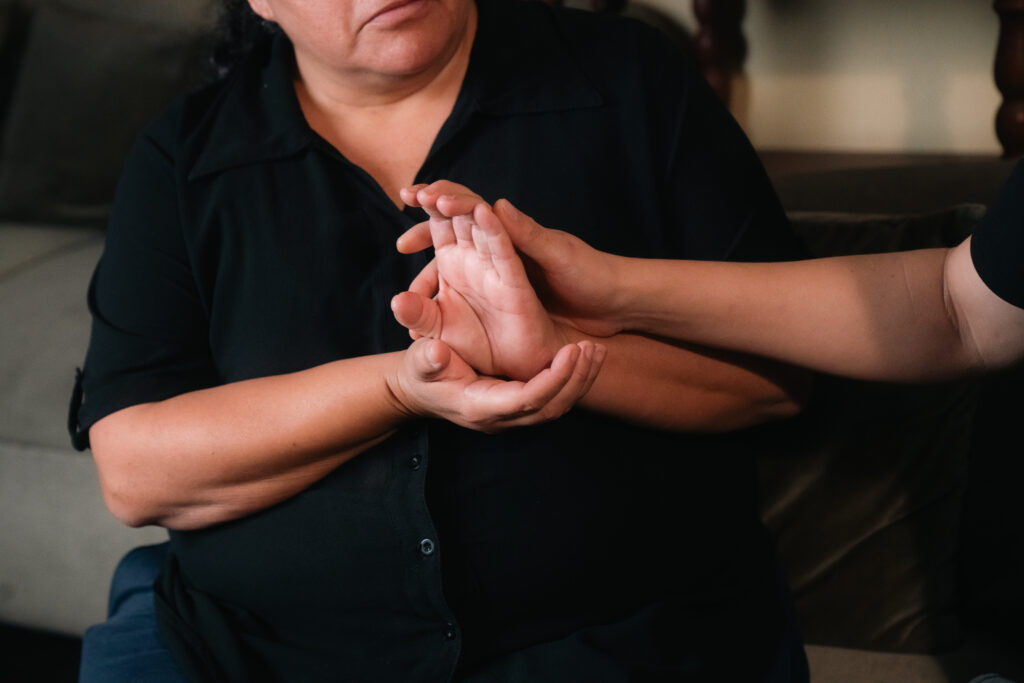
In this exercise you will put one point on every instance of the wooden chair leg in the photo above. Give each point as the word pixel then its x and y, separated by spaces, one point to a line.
pixel 720 44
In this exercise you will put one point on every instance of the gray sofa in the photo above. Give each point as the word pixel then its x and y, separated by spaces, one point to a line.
pixel 901 571
pixel 77 80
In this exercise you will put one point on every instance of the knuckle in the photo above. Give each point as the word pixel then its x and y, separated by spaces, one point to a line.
pixel 529 407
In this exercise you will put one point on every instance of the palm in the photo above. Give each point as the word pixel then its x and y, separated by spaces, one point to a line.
pixel 491 316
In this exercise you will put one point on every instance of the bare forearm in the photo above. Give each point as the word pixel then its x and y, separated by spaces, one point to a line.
pixel 882 316
pixel 222 453
pixel 676 387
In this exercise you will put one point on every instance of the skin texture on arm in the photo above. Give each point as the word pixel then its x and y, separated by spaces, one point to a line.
pixel 657 383
pixel 911 316
pixel 218 454
pixel 908 316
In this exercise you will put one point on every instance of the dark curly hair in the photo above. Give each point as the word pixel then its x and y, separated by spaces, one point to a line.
pixel 239 30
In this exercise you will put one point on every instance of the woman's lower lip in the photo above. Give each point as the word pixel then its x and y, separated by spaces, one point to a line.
pixel 400 13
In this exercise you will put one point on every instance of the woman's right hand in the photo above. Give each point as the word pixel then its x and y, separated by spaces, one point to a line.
pixel 433 381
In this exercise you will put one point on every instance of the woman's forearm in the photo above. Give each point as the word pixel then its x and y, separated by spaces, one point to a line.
pixel 673 386
pixel 217 454
pixel 221 453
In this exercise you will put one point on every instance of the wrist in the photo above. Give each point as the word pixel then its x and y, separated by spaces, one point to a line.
pixel 626 308
pixel 567 333
pixel 397 393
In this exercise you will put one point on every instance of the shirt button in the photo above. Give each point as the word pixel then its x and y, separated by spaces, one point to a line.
pixel 427 546
pixel 414 462
pixel 450 633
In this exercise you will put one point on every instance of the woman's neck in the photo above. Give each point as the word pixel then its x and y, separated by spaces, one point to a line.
pixel 386 126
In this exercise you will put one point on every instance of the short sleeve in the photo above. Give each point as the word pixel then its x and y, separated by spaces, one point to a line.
pixel 997 246
pixel 149 338
pixel 720 194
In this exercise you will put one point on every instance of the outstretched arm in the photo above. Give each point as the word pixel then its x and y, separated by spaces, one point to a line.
pixel 906 316
pixel 658 383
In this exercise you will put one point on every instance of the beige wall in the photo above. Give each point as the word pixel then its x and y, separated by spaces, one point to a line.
pixel 867 75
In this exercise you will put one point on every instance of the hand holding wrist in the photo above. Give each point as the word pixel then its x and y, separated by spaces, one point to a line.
pixel 430 380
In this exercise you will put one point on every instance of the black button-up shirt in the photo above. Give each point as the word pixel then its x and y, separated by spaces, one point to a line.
pixel 243 245
pixel 997 246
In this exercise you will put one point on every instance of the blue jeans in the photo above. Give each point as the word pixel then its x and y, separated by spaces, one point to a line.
pixel 128 646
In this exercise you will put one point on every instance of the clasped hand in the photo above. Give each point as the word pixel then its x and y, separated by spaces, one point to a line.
pixel 475 317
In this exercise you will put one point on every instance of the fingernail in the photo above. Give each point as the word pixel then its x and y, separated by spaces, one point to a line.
pixel 432 358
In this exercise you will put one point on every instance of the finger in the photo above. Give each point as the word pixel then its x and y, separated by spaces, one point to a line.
pixel 427 196
pixel 441 232
pixel 426 283
pixel 426 199
pixel 583 372
pixel 408 194
pixel 502 253
pixel 416 238
pixel 539 391
pixel 522 230
pixel 579 382
pixel 462 225
pixel 454 204
pixel 450 198
pixel 417 313
pixel 511 403
pixel 480 243
pixel 600 353
pixel 429 359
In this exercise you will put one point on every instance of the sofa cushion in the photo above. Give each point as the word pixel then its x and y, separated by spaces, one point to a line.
pixel 58 542
pixel 86 84
pixel 865 490
pixel 44 273
pixel 189 15
pixel 865 501
pixel 830 233
pixel 53 514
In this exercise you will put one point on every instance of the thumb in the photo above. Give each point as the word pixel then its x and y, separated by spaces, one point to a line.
pixel 429 358
pixel 524 232
pixel 416 312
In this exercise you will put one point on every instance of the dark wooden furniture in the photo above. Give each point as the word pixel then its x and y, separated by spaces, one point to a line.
pixel 1009 73
pixel 720 44
pixel 721 49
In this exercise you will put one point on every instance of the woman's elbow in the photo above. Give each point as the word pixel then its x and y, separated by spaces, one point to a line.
pixel 124 493
pixel 125 508
pixel 124 498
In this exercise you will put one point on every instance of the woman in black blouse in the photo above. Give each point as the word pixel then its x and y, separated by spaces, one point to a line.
pixel 340 505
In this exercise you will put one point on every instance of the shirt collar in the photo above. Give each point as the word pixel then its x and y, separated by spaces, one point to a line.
pixel 521 65
pixel 260 119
